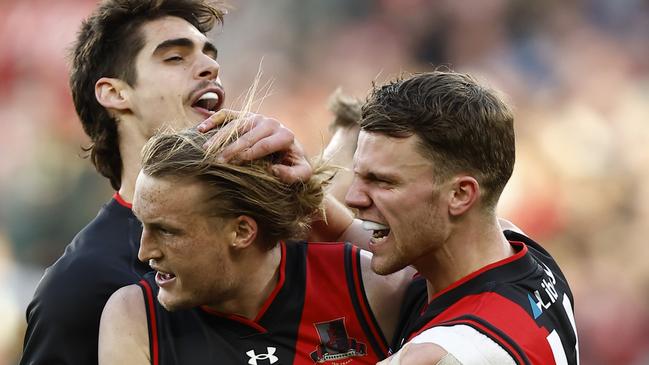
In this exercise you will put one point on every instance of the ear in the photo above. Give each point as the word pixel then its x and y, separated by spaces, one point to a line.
pixel 465 191
pixel 245 232
pixel 112 93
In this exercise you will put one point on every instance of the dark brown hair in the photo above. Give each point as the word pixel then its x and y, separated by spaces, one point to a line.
pixel 106 46
pixel 462 125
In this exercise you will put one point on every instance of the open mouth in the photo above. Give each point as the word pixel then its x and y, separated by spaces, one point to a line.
pixel 209 102
pixel 162 278
pixel 379 231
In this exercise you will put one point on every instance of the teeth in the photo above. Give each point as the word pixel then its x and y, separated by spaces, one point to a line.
pixel 373 226
pixel 166 276
pixel 380 235
pixel 209 96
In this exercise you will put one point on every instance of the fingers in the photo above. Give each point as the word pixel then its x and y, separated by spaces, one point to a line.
pixel 262 143
pixel 222 118
pixel 260 136
pixel 294 173
pixel 218 118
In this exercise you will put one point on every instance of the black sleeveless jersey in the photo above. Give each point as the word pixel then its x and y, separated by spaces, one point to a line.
pixel 63 317
pixel 523 303
pixel 318 313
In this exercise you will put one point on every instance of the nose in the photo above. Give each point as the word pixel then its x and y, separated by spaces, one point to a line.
pixel 208 68
pixel 356 196
pixel 148 248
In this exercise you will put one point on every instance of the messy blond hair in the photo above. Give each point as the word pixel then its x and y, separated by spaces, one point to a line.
pixel 282 211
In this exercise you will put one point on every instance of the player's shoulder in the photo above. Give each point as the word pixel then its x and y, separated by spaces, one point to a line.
pixel 114 222
pixel 91 268
pixel 127 302
pixel 123 335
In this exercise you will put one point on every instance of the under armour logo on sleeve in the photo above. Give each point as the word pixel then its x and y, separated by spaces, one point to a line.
pixel 270 356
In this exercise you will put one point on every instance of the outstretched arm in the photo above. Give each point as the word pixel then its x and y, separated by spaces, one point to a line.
pixel 123 336
pixel 263 136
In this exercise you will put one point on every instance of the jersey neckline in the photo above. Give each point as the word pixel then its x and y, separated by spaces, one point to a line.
pixel 488 270
pixel 254 323
pixel 121 200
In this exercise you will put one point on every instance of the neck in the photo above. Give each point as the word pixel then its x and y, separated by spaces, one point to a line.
pixel 258 278
pixel 473 244
pixel 131 142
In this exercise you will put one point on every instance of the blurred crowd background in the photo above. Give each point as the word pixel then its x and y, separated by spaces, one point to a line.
pixel 576 72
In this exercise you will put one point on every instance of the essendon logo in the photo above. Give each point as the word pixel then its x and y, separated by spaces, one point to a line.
pixel 335 343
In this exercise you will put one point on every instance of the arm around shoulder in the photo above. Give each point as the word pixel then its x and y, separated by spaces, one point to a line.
pixel 123 332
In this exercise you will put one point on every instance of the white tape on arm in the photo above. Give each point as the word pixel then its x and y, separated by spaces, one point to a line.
pixel 467 345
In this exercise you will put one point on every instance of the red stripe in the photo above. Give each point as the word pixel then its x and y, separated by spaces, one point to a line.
pixel 364 305
pixel 121 200
pixel 152 318
pixel 502 262
pixel 271 298
pixel 505 315
pixel 278 287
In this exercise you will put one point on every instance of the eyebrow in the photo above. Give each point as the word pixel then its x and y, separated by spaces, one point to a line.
pixel 208 47
pixel 376 175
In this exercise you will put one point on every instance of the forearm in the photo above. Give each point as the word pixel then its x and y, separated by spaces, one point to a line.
pixel 331 226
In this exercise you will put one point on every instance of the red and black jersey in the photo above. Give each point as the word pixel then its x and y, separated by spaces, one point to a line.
pixel 318 313
pixel 63 317
pixel 522 303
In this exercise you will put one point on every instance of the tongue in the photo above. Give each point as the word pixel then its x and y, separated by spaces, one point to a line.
pixel 208 104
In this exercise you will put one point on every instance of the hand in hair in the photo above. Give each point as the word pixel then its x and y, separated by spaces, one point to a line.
pixel 262 136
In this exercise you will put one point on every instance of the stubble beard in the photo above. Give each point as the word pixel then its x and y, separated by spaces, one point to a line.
pixel 389 263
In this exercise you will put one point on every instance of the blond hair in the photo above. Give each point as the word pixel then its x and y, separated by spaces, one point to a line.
pixel 282 211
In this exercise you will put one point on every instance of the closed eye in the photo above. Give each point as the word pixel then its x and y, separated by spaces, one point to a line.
pixel 164 232
pixel 174 59
pixel 378 179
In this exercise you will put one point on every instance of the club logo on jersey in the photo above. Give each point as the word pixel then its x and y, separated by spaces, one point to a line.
pixel 335 343
pixel 270 356
pixel 542 301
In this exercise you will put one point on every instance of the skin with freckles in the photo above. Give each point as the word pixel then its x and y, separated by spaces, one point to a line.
pixel 174 238
pixel 199 254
